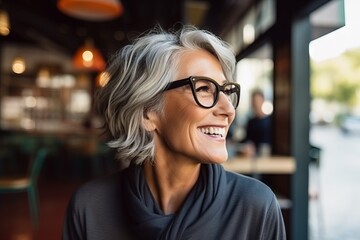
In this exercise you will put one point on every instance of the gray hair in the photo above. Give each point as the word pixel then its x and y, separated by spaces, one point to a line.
pixel 138 75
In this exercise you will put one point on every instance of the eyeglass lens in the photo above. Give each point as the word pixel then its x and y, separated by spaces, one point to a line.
pixel 207 92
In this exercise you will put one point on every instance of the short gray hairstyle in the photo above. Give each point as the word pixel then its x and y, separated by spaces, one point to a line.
pixel 138 75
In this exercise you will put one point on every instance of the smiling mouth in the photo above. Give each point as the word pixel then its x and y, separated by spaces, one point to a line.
pixel 213 131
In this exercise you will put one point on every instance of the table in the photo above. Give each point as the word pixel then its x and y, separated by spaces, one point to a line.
pixel 262 165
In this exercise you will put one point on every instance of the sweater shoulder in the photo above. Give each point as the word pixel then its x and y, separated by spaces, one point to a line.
pixel 98 190
pixel 248 188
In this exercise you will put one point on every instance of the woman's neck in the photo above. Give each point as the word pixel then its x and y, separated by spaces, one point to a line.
pixel 170 182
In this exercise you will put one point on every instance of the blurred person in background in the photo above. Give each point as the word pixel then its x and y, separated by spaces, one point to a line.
pixel 258 128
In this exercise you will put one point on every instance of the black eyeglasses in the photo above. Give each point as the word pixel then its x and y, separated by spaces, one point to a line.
pixel 206 90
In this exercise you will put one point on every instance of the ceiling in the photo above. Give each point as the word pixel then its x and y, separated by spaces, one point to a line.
pixel 42 24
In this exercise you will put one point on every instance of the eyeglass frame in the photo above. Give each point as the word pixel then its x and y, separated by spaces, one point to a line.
pixel 219 88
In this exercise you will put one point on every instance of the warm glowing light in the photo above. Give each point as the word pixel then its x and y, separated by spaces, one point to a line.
pixel 43 78
pixel 103 79
pixel 88 57
pixel 18 65
pixel 30 101
pixel 4 23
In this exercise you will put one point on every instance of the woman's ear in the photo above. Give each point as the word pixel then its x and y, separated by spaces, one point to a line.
pixel 149 120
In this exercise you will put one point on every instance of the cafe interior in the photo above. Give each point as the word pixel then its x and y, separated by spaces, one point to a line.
pixel 53 55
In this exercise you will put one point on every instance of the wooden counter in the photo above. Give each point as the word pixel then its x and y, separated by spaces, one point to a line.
pixel 264 165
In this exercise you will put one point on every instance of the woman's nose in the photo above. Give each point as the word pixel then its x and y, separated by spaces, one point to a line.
pixel 224 105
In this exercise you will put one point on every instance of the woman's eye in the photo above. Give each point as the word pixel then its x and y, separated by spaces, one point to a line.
pixel 203 89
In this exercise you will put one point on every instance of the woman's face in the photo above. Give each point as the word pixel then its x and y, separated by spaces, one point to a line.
pixel 257 102
pixel 187 131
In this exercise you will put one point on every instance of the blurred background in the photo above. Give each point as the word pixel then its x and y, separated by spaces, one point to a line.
pixel 303 55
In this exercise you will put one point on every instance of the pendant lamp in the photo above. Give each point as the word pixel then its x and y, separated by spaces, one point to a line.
pixel 87 57
pixel 18 65
pixel 92 10
pixel 4 23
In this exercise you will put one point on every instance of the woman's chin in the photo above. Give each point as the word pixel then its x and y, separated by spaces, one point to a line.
pixel 218 158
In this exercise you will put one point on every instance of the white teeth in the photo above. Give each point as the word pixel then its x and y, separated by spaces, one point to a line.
pixel 213 131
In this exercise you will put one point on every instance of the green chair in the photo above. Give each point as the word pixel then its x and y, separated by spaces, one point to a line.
pixel 27 184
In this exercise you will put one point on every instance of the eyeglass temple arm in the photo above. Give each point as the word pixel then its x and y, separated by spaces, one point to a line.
pixel 176 84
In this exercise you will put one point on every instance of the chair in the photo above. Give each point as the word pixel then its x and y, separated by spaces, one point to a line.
pixel 27 184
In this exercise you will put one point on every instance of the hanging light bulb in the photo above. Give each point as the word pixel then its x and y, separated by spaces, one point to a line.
pixel 87 57
pixel 93 10
pixel 4 23
pixel 18 65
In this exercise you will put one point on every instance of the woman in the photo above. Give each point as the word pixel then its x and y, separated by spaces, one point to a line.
pixel 168 106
